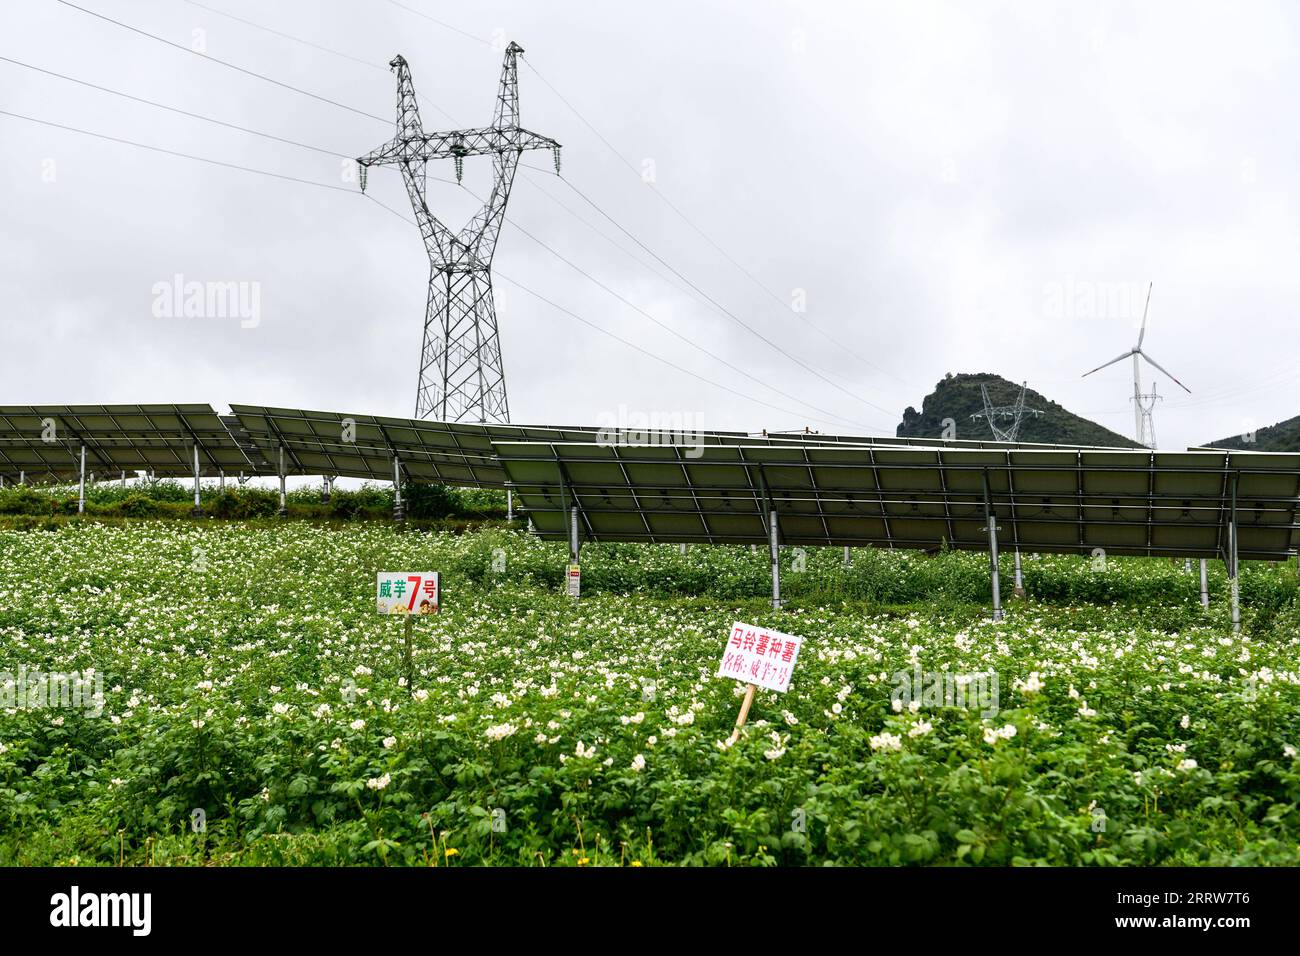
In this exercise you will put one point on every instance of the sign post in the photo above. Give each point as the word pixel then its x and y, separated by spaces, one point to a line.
pixel 407 593
pixel 761 658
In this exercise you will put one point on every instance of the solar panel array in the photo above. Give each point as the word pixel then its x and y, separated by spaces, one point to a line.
pixel 43 442
pixel 1125 502
pixel 363 446
pixel 455 453
pixel 716 487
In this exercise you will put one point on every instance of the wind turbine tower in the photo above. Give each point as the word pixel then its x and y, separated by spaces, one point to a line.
pixel 1142 404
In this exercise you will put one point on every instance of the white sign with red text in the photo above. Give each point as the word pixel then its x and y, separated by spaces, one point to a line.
pixel 406 592
pixel 759 656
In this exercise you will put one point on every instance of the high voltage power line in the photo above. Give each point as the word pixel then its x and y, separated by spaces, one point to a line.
pixel 618 338
pixel 713 303
pixel 177 153
pixel 749 275
pixel 383 67
pixel 700 293
pixel 176 109
pixel 667 201
pixel 226 63
pixel 308 182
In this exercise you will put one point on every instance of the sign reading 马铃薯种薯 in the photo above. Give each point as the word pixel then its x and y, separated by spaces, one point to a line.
pixel 574 580
pixel 406 592
pixel 760 656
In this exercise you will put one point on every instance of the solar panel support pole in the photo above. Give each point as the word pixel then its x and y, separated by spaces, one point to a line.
pixel 993 551
pixel 399 509
pixel 774 532
pixel 1020 580
pixel 22 477
pixel 81 493
pixel 198 505
pixel 574 543
pixel 1234 590
pixel 1205 586
pixel 329 489
pixel 510 504
pixel 284 498
pixel 848 557
pixel 221 481
pixel 123 477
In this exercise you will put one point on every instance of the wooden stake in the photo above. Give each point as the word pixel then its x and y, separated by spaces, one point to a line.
pixel 744 713
pixel 410 677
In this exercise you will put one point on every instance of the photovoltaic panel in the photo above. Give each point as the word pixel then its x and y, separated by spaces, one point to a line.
pixel 454 453
pixel 43 442
pixel 363 446
pixel 1124 502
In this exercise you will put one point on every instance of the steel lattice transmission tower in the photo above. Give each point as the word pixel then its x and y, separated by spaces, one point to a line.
pixel 1016 413
pixel 1147 434
pixel 461 374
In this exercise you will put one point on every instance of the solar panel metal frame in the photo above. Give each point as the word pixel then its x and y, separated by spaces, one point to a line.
pixel 1125 502
pixel 452 453
pixel 455 453
pixel 159 439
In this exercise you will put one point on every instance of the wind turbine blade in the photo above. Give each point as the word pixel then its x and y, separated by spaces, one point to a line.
pixel 1111 362
pixel 1143 333
pixel 1166 371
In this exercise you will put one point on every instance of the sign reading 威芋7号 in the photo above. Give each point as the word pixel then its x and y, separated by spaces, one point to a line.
pixel 759 656
pixel 406 592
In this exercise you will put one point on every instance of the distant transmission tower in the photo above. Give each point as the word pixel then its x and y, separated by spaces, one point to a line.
pixel 1016 413
pixel 1147 404
pixel 461 374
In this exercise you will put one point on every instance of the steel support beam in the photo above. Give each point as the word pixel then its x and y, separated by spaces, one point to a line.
pixel 774 546
pixel 1205 585
pixel 574 544
pixel 992 522
pixel 1234 564
pixel 399 509
pixel 197 511
pixel 284 496
pixel 81 486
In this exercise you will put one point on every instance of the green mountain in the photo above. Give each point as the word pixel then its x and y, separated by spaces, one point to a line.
pixel 1284 436
pixel 958 397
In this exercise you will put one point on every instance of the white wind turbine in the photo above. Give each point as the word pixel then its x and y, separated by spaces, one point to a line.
pixel 1136 352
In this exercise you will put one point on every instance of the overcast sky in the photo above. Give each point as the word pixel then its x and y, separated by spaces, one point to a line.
pixel 947 188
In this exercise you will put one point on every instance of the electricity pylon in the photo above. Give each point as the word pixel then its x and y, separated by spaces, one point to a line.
pixel 461 374
pixel 1148 404
pixel 1014 412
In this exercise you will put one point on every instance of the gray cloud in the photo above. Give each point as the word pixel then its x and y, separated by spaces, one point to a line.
pixel 926 173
